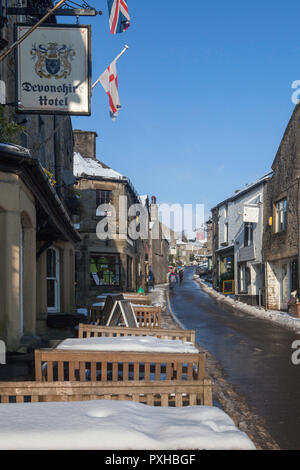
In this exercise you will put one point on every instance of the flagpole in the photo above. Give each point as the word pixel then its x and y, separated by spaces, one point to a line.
pixel 115 60
pixel 17 43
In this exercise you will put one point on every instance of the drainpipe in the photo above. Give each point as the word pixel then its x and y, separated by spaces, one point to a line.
pixel 55 145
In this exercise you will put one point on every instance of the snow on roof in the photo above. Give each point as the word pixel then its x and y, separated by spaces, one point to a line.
pixel 127 343
pixel 117 425
pixel 91 167
pixel 244 190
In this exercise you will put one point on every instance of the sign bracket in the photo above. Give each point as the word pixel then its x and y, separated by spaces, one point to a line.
pixel 59 12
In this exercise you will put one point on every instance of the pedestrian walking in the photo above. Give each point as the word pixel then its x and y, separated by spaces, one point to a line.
pixel 172 280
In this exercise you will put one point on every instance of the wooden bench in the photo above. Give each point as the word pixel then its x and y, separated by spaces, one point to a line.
pixel 175 393
pixel 116 366
pixel 148 316
pixel 140 299
pixel 95 331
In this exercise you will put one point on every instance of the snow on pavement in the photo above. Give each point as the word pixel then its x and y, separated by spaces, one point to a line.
pixel 121 425
pixel 128 343
pixel 281 318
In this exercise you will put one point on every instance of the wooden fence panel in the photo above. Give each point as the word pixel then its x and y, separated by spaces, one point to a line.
pixel 159 393
pixel 80 365
pixel 95 331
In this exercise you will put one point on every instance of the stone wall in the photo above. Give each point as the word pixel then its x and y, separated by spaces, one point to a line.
pixel 85 143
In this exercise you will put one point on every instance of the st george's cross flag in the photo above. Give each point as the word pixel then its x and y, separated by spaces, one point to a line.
pixel 119 19
pixel 109 81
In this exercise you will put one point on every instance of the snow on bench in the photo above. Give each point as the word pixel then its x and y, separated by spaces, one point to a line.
pixel 117 425
pixel 94 331
pixel 120 358
pixel 127 343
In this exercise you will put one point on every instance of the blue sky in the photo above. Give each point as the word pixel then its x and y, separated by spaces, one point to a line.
pixel 205 89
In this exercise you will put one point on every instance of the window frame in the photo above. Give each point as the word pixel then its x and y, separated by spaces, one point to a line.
pixel 56 279
pixel 248 230
pixel 99 200
pixel 280 216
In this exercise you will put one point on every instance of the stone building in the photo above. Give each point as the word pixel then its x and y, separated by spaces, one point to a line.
pixel 38 249
pixel 112 264
pixel 237 243
pixel 281 219
pixel 159 247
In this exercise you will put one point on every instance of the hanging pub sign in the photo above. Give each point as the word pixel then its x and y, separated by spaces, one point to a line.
pixel 251 213
pixel 54 70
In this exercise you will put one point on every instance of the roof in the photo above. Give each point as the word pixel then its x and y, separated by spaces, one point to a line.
pixel 245 190
pixel 90 167
pixel 14 158
pixel 289 128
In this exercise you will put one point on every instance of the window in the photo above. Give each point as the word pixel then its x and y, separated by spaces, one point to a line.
pixel 248 234
pixel 53 284
pixel 104 270
pixel 280 215
pixel 226 211
pixel 103 197
pixel 226 232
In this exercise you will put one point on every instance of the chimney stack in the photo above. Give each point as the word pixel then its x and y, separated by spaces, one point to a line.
pixel 153 209
pixel 85 143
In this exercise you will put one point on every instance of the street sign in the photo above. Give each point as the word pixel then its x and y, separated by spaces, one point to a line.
pixel 54 70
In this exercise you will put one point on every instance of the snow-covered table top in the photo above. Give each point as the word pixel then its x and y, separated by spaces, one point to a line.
pixel 116 425
pixel 128 343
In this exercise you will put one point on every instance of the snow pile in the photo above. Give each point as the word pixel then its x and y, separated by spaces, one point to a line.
pixel 128 343
pixel 281 318
pixel 120 425
pixel 91 167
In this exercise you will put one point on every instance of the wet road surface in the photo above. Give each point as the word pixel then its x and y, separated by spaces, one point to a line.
pixel 255 354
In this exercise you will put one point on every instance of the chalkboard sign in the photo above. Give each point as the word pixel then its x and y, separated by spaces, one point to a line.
pixel 122 314
pixel 108 307
pixel 228 287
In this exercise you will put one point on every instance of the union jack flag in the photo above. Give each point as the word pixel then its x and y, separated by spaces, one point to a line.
pixel 119 19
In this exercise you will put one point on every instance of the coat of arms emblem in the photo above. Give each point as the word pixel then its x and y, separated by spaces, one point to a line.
pixel 53 60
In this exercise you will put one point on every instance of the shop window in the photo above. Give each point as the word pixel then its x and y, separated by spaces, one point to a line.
pixel 280 215
pixel 53 281
pixel 105 270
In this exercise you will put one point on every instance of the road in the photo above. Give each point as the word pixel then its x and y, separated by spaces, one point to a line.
pixel 254 353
